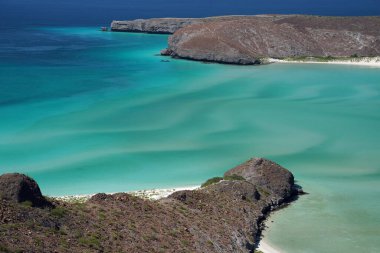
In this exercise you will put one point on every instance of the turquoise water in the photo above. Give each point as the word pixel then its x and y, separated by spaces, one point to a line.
pixel 83 111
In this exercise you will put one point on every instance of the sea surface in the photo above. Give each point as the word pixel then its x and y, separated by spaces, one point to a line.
pixel 83 111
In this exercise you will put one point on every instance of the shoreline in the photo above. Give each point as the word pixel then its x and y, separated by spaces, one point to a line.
pixel 363 61
pixel 265 247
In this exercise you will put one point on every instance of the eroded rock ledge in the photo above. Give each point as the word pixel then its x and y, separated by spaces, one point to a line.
pixel 225 216
pixel 251 39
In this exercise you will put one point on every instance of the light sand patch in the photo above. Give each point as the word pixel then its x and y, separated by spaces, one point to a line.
pixel 266 248
pixel 361 61
pixel 152 194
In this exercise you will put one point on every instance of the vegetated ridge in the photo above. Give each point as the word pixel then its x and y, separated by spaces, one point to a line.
pixel 225 215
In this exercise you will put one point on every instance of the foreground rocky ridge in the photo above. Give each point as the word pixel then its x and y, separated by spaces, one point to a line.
pixel 251 39
pixel 225 216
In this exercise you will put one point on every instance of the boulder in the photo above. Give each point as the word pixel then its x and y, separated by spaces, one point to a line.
pixel 266 175
pixel 17 188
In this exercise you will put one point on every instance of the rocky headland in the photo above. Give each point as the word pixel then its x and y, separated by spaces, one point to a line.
pixel 154 25
pixel 224 215
pixel 249 40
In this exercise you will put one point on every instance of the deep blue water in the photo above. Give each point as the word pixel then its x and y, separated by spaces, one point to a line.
pixel 95 12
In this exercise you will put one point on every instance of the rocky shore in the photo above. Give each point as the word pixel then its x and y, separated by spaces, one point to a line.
pixel 248 40
pixel 224 215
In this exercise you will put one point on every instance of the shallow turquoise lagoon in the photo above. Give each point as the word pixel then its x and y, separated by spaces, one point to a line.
pixel 83 111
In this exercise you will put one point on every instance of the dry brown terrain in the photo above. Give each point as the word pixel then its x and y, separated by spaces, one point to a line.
pixel 250 39
pixel 247 40
pixel 224 216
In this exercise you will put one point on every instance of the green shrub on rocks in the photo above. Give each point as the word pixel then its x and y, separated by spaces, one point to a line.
pixel 211 181
pixel 215 180
pixel 233 177
pixel 58 212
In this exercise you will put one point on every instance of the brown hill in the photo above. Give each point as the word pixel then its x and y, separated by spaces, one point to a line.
pixel 247 40
pixel 223 216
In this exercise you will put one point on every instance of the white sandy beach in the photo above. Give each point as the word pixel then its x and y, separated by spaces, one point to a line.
pixel 362 61
pixel 152 194
pixel 267 248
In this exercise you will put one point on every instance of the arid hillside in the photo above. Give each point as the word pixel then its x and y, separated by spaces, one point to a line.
pixel 250 39
pixel 225 215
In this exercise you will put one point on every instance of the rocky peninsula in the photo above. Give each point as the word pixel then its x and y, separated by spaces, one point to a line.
pixel 249 40
pixel 224 215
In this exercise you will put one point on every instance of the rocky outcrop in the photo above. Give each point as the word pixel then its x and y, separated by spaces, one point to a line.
pixel 161 25
pixel 19 188
pixel 225 216
pixel 247 40
pixel 154 25
pixel 268 176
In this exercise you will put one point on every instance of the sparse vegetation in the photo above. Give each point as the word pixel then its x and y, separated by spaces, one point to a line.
pixel 215 180
pixel 4 249
pixel 27 203
pixel 91 241
pixel 58 212
pixel 233 177
pixel 212 181
pixel 312 58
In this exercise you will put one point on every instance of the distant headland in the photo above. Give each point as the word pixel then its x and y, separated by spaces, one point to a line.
pixel 260 39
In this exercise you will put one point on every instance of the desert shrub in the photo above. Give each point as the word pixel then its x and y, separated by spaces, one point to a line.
pixel 233 177
pixel 215 180
pixel 4 249
pixel 58 212
pixel 90 241
pixel 212 181
pixel 27 203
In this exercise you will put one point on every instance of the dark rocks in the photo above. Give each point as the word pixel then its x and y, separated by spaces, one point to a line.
pixel 269 177
pixel 166 52
pixel 19 188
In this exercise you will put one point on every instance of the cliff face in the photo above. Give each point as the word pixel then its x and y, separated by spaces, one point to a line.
pixel 222 217
pixel 246 40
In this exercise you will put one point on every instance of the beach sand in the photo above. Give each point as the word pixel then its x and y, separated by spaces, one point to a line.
pixel 152 194
pixel 267 248
pixel 362 61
